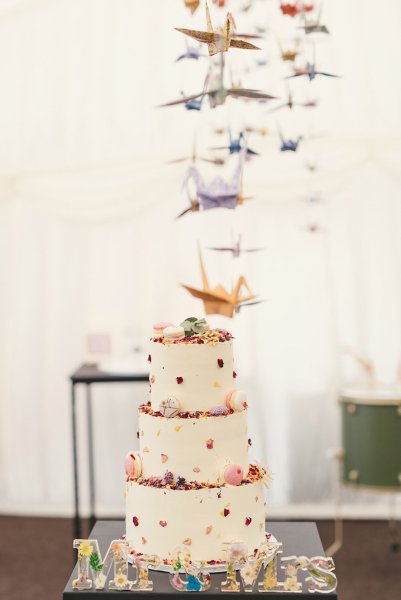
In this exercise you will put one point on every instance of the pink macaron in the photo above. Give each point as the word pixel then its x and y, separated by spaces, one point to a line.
pixel 236 400
pixel 158 328
pixel 133 465
pixel 233 474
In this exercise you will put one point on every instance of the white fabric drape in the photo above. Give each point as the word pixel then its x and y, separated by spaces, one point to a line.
pixel 88 240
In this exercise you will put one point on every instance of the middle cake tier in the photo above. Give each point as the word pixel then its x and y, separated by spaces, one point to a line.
pixel 198 449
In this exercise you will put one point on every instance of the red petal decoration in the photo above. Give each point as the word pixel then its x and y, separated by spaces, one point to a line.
pixel 226 512
pixel 220 362
pixel 135 521
pixel 248 521
pixel 179 379
pixel 163 523
pixel 234 374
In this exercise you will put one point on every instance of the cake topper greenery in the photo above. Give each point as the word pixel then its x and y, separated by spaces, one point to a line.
pixel 193 325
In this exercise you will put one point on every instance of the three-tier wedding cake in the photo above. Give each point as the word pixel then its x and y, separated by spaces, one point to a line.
pixel 191 484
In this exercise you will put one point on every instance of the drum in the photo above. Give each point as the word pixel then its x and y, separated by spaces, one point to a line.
pixel 371 437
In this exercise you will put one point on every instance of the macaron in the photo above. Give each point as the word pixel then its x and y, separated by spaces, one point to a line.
pixel 170 407
pixel 219 410
pixel 236 400
pixel 158 328
pixel 133 465
pixel 233 474
pixel 173 332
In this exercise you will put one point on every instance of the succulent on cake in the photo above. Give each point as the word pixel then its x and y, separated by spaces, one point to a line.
pixel 193 325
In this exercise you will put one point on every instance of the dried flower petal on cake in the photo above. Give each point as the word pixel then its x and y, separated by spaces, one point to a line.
pixel 149 358
pixel 220 362
pixel 152 379
pixel 248 521
pixel 216 384
pixel 196 470
pixel 187 541
pixel 208 529
pixel 209 444
pixel 168 478
pixel 164 458
pixel 234 374
pixel 179 379
pixel 144 540
pixel 163 523
pixel 135 521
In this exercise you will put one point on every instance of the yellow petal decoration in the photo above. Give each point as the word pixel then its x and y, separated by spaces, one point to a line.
pixel 216 384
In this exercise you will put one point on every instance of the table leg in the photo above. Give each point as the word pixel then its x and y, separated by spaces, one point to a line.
pixel 77 518
pixel 92 518
pixel 338 520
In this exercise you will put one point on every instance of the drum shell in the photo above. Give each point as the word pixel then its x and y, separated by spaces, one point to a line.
pixel 371 436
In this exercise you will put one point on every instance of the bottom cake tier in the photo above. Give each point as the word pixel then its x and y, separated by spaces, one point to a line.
pixel 159 520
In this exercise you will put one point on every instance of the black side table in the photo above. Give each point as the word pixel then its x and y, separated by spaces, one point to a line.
pixel 298 539
pixel 87 375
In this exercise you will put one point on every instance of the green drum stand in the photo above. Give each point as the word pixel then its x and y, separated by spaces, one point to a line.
pixel 370 458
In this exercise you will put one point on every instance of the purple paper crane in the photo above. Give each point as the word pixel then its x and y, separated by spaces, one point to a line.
pixel 191 52
pixel 219 193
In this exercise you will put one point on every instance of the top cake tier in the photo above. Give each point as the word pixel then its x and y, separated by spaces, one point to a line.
pixel 196 372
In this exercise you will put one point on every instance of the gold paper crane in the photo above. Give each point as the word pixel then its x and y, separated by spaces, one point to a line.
pixel 219 39
pixel 192 5
pixel 218 301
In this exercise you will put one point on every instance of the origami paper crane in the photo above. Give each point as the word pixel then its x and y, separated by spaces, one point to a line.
pixel 219 193
pixel 194 157
pixel 314 25
pixel 220 39
pixel 289 54
pixel 218 300
pixel 191 52
pixel 290 103
pixel 263 131
pixel 310 71
pixel 192 5
pixel 236 144
pixel 217 94
pixel 297 8
pixel 235 249
pixel 288 145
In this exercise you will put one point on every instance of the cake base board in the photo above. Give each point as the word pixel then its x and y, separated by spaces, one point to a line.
pixel 215 568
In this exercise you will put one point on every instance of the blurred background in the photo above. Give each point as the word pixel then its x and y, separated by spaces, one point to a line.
pixel 92 253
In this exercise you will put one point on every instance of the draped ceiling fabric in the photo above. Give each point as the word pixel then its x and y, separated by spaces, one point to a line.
pixel 88 241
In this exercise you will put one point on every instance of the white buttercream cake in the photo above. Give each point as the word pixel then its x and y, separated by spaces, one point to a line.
pixel 191 484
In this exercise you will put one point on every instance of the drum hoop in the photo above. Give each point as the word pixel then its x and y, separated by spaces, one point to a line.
pixel 369 402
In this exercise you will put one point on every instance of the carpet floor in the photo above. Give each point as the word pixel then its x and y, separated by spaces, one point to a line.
pixel 36 559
